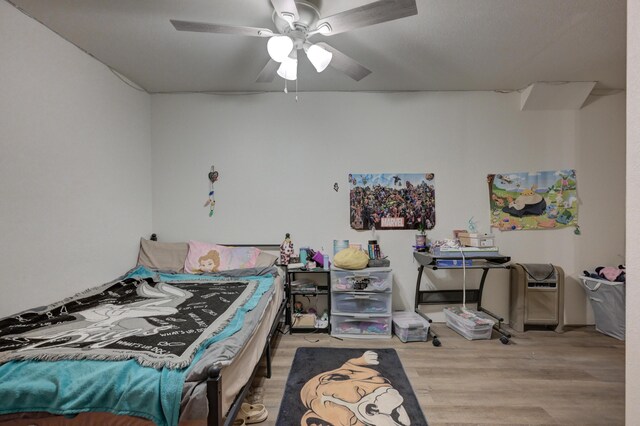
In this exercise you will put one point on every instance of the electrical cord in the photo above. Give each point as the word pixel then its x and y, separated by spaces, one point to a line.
pixel 311 341
pixel 306 335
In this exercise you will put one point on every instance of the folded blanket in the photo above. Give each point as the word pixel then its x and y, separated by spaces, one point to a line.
pixel 158 324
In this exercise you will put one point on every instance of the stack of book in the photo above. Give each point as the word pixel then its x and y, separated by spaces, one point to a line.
pixel 452 262
pixel 468 252
pixel 475 239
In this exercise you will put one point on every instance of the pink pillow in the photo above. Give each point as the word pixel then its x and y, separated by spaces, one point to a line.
pixel 205 257
pixel 238 258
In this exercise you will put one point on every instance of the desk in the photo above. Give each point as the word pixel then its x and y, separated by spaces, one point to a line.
pixel 443 297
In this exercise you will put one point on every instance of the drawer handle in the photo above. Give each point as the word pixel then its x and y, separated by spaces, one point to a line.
pixel 374 318
pixel 362 296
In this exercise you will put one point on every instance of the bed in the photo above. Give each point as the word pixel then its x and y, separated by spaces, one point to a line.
pixel 207 387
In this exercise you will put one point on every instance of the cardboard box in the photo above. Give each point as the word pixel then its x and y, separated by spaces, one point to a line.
pixel 304 320
pixel 476 239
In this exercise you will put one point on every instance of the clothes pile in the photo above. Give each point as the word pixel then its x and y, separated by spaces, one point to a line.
pixel 609 273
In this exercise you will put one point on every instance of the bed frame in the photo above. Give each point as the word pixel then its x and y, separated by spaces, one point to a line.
pixel 214 382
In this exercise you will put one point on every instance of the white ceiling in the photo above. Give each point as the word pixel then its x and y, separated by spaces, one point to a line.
pixel 449 45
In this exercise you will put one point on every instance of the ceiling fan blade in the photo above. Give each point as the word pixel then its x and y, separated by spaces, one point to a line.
pixel 347 65
pixel 369 14
pixel 201 27
pixel 268 72
pixel 286 9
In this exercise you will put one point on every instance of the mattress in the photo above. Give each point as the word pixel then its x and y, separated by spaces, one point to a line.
pixel 236 371
pixel 236 356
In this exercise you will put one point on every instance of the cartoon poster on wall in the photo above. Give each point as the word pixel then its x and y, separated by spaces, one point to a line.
pixel 538 200
pixel 392 201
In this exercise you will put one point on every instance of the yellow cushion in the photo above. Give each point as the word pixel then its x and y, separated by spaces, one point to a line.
pixel 351 258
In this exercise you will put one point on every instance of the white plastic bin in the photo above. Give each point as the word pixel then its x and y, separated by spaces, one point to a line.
pixel 370 279
pixel 410 327
pixel 608 302
pixel 471 324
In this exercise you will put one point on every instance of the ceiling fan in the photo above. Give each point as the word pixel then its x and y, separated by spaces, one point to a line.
pixel 296 21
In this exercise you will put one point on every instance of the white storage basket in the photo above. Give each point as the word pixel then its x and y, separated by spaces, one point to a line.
pixel 608 302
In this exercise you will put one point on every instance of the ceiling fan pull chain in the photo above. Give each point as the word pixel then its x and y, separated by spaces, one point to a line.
pixel 285 86
pixel 296 90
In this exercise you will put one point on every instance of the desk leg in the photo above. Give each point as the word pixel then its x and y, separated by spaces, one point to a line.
pixel 485 271
pixel 434 338
pixel 417 300
pixel 497 327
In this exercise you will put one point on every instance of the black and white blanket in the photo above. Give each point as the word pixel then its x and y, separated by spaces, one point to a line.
pixel 158 324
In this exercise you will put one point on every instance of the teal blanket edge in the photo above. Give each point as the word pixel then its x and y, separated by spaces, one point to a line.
pixel 119 387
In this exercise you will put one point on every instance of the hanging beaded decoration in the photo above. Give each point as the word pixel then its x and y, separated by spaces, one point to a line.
pixel 211 202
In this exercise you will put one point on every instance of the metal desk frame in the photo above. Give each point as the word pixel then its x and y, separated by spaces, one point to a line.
pixel 439 297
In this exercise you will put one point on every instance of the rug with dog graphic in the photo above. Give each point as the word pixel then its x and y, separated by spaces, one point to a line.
pixel 354 387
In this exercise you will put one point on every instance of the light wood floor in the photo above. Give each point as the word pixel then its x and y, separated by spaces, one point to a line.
pixel 540 378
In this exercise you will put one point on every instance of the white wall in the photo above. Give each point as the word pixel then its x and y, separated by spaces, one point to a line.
pixel 278 161
pixel 75 177
pixel 633 214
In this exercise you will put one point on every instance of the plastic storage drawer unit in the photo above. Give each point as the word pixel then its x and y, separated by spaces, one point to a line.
pixel 370 279
pixel 361 303
pixel 410 327
pixel 368 326
pixel 469 323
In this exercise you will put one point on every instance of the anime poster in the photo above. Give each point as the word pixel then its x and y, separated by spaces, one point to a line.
pixel 540 200
pixel 392 201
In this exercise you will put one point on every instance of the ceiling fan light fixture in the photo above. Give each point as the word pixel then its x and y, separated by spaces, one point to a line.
pixel 288 69
pixel 319 57
pixel 279 47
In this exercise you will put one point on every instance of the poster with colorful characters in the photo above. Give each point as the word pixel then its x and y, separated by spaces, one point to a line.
pixel 537 200
pixel 392 201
